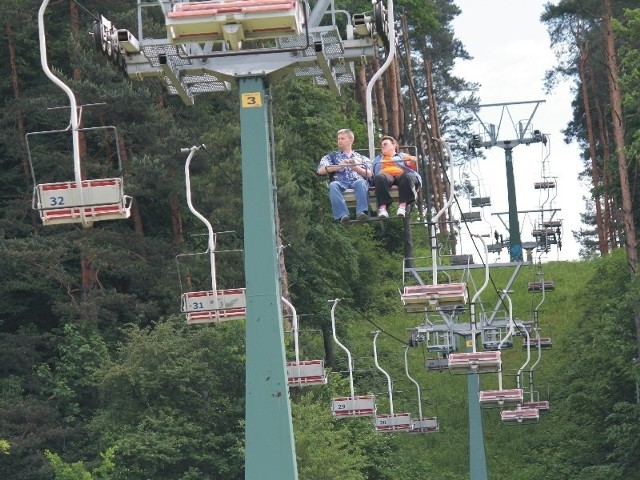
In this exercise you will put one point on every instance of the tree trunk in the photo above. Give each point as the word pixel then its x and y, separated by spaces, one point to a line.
pixel 379 94
pixel 361 87
pixel 416 122
pixel 138 227
pixel 609 223
pixel 13 66
pixel 89 276
pixel 75 28
pixel 327 341
pixel 176 219
pixel 437 152
pixel 618 137
pixel 401 108
pixel 595 171
pixel 394 123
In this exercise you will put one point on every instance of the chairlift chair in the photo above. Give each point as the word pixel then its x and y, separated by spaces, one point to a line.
pixel 419 298
pixel 475 362
pixel 541 286
pixel 80 200
pixel 441 341
pixel 420 424
pixel 542 342
pixel 520 416
pixel 534 399
pixel 477 202
pixel 502 396
pixel 437 364
pixel 234 21
pixel 471 216
pixel 492 337
pixel 350 195
pixel 214 305
pixel 541 405
pixel 544 184
pixel 393 422
pixel 352 406
pixel 303 373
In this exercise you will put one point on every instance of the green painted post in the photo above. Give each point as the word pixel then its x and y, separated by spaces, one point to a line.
pixel 270 447
pixel 477 456
pixel 515 244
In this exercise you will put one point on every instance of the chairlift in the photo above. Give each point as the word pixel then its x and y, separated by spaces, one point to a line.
pixel 492 337
pixel 534 400
pixel 541 405
pixel 544 184
pixel 436 297
pixel 542 342
pixel 502 396
pixel 214 305
pixel 478 202
pixel 350 195
pixel 393 422
pixel 475 362
pixel 465 259
pixel 418 298
pixel 351 406
pixel 541 286
pixel 420 424
pixel 437 364
pixel 441 341
pixel 234 21
pixel 471 216
pixel 303 373
pixel 80 200
pixel 520 416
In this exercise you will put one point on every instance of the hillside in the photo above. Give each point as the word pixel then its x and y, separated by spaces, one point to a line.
pixel 524 451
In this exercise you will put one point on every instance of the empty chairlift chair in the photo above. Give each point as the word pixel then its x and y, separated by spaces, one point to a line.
pixel 540 286
pixel 393 422
pixel 471 216
pixel 234 21
pixel 492 337
pixel 534 400
pixel 541 405
pixel 351 406
pixel 544 184
pixel 502 397
pixel 477 202
pixel 213 305
pixel 520 416
pixel 80 200
pixel 420 424
pixel 475 362
pixel 303 373
pixel 542 342
pixel 84 202
pixel 419 298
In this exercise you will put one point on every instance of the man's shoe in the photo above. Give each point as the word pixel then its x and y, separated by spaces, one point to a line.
pixel 401 211
pixel 345 219
pixel 362 216
pixel 382 213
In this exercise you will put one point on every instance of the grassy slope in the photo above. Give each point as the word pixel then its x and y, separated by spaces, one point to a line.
pixel 510 450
